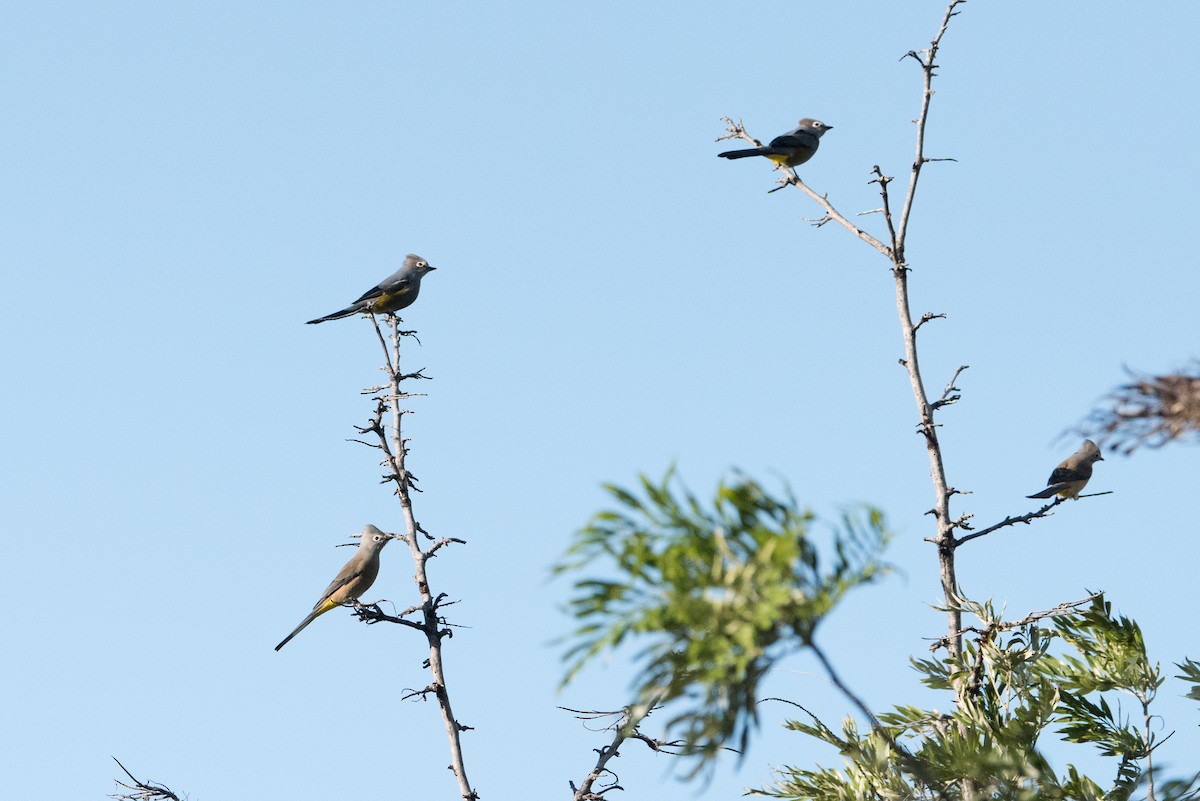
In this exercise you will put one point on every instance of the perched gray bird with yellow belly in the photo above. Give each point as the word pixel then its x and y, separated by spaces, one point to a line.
pixel 1070 477
pixel 392 294
pixel 789 149
pixel 352 580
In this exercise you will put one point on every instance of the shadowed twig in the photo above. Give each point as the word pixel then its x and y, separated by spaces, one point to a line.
pixel 142 791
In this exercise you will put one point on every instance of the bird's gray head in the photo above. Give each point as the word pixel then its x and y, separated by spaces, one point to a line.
pixel 418 265
pixel 373 537
pixel 1090 451
pixel 815 127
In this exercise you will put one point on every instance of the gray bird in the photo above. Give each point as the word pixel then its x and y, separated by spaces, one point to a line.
pixel 396 292
pixel 1070 477
pixel 352 580
pixel 790 149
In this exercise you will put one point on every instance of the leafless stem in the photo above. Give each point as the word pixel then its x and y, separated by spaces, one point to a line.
pixel 1065 608
pixel 395 450
pixel 894 251
pixel 141 791
pixel 928 61
pixel 925 409
pixel 735 130
pixel 1026 518
pixel 623 728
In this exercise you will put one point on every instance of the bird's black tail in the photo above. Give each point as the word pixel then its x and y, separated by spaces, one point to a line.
pixel 741 154
pixel 337 315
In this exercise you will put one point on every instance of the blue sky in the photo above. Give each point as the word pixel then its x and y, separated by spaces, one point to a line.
pixel 185 184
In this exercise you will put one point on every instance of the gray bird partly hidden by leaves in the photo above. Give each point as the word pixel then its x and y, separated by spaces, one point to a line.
pixel 396 292
pixel 1070 477
pixel 789 149
pixel 352 580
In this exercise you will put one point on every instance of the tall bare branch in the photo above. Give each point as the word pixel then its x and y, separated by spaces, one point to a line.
pixel 391 397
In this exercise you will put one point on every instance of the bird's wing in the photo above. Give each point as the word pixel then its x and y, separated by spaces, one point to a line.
pixel 352 570
pixel 1063 474
pixel 794 140
pixel 395 284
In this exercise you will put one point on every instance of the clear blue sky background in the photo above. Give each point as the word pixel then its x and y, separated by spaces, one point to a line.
pixel 184 184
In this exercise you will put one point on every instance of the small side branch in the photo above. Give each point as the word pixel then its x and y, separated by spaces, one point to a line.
pixel 950 393
pixel 372 613
pixel 928 61
pixel 624 727
pixel 790 177
pixel 987 632
pixel 736 130
pixel 1027 518
pixel 140 790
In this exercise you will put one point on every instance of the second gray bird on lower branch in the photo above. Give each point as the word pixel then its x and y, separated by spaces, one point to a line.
pixel 351 581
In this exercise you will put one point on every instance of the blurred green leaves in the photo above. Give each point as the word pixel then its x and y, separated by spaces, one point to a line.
pixel 710 595
pixel 1020 684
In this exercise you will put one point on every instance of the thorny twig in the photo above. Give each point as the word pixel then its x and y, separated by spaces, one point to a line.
pixel 624 727
pixel 989 631
pixel 142 791
pixel 395 451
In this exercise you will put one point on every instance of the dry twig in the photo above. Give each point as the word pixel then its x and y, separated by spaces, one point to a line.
pixel 391 442
pixel 142 791
pixel 1149 411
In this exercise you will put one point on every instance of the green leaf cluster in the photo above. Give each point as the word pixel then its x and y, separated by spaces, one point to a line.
pixel 711 595
pixel 1014 683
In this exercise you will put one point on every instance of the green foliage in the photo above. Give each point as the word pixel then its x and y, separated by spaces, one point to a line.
pixel 1190 674
pixel 1013 683
pixel 713 596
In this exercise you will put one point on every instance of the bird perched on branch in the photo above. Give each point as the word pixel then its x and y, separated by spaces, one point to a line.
pixel 392 294
pixel 351 581
pixel 1070 477
pixel 789 149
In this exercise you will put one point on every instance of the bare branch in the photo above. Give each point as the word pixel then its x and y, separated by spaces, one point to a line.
pixel 1065 608
pixel 735 130
pixel 831 214
pixel 948 394
pixel 1008 521
pixel 431 624
pixel 928 64
pixel 623 728
pixel 926 317
pixel 1028 517
pixel 141 791
pixel 371 613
